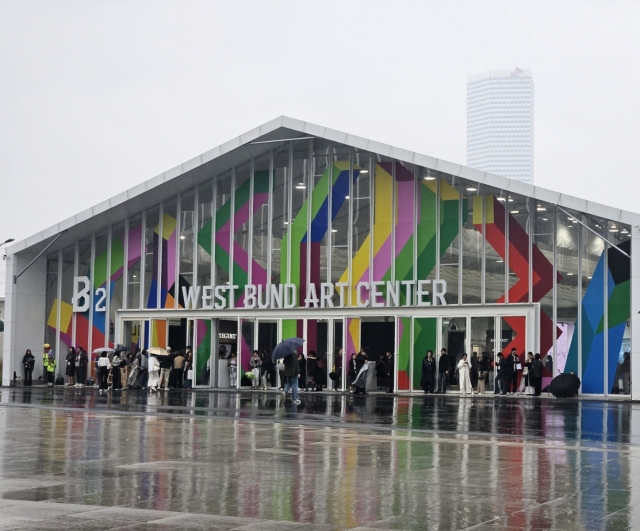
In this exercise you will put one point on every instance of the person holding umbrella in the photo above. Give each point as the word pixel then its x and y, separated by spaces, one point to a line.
pixel 104 365
pixel 287 350
pixel 154 372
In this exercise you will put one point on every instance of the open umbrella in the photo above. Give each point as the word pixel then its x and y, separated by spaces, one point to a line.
pixel 564 385
pixel 103 349
pixel 158 351
pixel 286 347
pixel 120 348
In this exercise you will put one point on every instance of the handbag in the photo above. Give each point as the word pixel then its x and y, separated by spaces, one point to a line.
pixel 190 374
pixel 525 371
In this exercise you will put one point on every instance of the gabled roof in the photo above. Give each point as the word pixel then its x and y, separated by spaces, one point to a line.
pixel 291 125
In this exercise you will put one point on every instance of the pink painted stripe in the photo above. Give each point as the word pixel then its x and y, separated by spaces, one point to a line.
pixel 404 227
pixel 382 260
pixel 135 240
pixel 171 260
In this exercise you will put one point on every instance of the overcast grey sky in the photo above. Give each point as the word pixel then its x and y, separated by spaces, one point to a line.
pixel 98 96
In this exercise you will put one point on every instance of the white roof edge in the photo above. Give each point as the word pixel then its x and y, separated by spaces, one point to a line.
pixel 426 161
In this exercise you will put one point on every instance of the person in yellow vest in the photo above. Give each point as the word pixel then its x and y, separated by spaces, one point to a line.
pixel 49 360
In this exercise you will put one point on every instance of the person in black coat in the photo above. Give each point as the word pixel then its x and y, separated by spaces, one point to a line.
pixel 390 362
pixel 537 368
pixel 473 372
pixel 302 363
pixel 361 359
pixel 445 364
pixel 501 372
pixel 381 372
pixel 511 372
pixel 28 362
pixel 351 369
pixel 428 379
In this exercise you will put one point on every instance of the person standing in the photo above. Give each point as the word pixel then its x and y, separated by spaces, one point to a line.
pixel 188 366
pixel 428 378
pixel 474 373
pixel 233 370
pixel 483 372
pixel 337 368
pixel 511 371
pixel 132 380
pixel 28 362
pixel 70 370
pixel 352 370
pixel 144 370
pixel 154 372
pixel 390 372
pixel 443 371
pixel 527 375
pixel 292 373
pixel 463 375
pixel 104 366
pixel 116 380
pixel 178 367
pixel 500 383
pixel 51 368
pixel 312 371
pixel 165 372
pixel 537 368
pixel 302 365
pixel 48 353
pixel 360 383
pixel 254 364
pixel 381 373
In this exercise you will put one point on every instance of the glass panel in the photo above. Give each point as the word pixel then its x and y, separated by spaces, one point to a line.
pixel 383 220
pixel 267 341
pixel 247 327
pixel 454 330
pixel 483 342
pixel 339 357
pixel 151 259
pixel 427 225
pixel 519 249
pixel 187 232
pixel 52 307
pixel 134 249
pixel 202 350
pixel 159 331
pixel 472 240
pixel 300 189
pixel 352 342
pixel 424 339
pixel 450 235
pixel 223 228
pixel 320 234
pixel 361 232
pixel 340 204
pixel 131 335
pixel 227 353
pixel 66 305
pixel 403 354
pixel 241 225
pixel 82 319
pixel 98 332
pixel 317 341
pixel 542 281
pixel 116 278
pixel 405 203
pixel 280 221
pixel 261 197
pixel 205 229
pixel 495 207
pixel 568 295
pixel 513 336
pixel 169 254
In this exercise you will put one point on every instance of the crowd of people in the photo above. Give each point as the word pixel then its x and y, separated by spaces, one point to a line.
pixel 511 375
pixel 120 369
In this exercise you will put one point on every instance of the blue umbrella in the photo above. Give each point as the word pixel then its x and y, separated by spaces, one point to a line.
pixel 286 347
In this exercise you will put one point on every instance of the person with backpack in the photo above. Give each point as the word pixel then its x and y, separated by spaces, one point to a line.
pixel 28 361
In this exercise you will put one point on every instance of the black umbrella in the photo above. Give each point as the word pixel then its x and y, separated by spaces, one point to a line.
pixel 120 348
pixel 564 385
pixel 286 347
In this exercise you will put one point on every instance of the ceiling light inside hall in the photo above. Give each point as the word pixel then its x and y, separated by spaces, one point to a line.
pixel 541 208
pixel 499 261
pixel 515 212
pixel 364 171
pixel 613 230
pixel 429 178
pixel 334 230
pixel 501 199
pixel 346 197
pixel 510 200
pixel 472 189
pixel 300 186
pixel 545 219
pixel 182 237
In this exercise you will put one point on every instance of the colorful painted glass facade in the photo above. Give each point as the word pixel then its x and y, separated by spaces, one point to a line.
pixel 313 211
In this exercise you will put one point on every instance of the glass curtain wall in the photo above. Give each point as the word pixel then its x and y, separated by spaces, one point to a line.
pixel 340 207
pixel 134 262
pixel 116 278
pixel 169 253
pixel 450 219
pixel 66 303
pixel 472 243
pixel 241 231
pixel 83 318
pixel 519 241
pixel 205 234
pixel 151 258
pixel 280 213
pixel 186 245
pixel 50 335
pixel 99 304
pixel 496 205
pixel 222 236
pixel 261 204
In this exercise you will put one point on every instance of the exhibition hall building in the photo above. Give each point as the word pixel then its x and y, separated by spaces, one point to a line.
pixel 297 230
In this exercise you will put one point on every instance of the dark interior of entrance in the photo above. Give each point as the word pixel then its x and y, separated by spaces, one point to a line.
pixel 177 334
pixel 379 337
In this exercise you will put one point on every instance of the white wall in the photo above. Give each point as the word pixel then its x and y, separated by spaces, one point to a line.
pixel 24 313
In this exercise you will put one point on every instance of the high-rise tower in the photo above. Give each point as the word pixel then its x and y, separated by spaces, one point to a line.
pixel 500 123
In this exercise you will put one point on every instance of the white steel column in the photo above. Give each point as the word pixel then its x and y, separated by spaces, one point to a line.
pixel 635 312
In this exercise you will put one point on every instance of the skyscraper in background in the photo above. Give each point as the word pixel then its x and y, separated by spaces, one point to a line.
pixel 500 123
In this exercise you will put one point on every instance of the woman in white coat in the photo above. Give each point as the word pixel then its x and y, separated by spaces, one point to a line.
pixel 463 375
pixel 154 372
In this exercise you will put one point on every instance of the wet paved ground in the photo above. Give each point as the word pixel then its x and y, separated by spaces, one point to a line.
pixel 71 459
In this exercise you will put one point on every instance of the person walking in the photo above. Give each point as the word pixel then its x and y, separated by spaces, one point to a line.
pixel 165 371
pixel 132 381
pixel 537 368
pixel 116 378
pixel 28 362
pixel 511 371
pixel 527 375
pixel 84 366
pixel 104 366
pixel 444 365
pixel 313 370
pixel 463 375
pixel 360 384
pixel 144 370
pixel 178 368
pixel 154 373
pixel 254 364
pixel 292 374
pixel 302 364
pixel 427 381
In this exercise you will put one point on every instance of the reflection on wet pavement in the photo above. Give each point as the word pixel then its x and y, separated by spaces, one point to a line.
pixel 223 460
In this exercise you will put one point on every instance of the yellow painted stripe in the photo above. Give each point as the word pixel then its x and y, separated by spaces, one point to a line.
pixel 477 209
pixel 488 205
